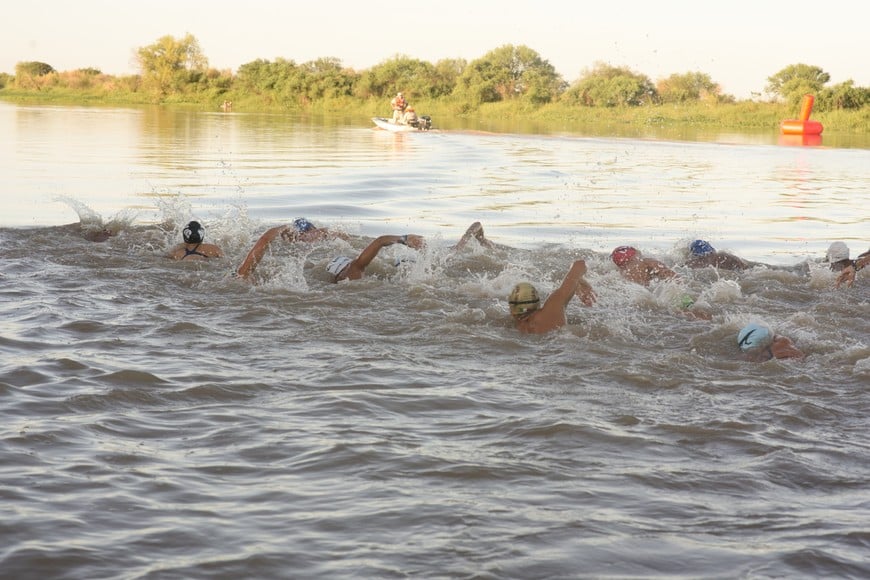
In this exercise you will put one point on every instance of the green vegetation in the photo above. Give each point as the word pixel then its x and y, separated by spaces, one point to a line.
pixel 510 82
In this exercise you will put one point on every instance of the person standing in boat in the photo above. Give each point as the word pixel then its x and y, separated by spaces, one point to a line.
pixel 398 104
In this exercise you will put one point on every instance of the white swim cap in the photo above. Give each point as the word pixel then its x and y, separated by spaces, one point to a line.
pixel 837 251
pixel 338 264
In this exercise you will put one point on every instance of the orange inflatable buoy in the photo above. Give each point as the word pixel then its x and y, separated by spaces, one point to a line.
pixel 802 126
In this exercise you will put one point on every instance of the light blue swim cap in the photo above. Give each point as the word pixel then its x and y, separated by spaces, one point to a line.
pixel 753 336
pixel 338 264
pixel 701 248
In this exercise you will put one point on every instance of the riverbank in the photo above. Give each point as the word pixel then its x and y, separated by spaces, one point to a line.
pixel 742 115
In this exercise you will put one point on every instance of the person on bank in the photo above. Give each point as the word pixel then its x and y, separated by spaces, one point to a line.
pixel 530 317
pixel 759 343
pixel 848 272
pixel 301 230
pixel 635 268
pixel 703 255
pixel 346 268
pixel 398 105
pixel 193 247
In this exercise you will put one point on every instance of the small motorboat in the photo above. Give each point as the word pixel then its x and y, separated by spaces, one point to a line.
pixel 423 123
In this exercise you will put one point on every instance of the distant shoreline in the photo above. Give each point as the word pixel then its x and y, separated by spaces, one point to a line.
pixel 741 115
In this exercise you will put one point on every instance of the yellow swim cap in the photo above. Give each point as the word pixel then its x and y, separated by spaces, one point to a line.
pixel 523 299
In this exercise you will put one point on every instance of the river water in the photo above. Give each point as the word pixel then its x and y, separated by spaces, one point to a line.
pixel 165 419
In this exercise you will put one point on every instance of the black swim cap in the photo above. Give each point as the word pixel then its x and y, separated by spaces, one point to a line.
pixel 193 233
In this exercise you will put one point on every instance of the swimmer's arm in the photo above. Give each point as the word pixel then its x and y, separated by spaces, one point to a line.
pixel 475 230
pixel 371 251
pixel 849 272
pixel 847 276
pixel 258 251
pixel 571 285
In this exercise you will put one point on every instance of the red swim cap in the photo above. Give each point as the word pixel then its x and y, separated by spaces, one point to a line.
pixel 622 254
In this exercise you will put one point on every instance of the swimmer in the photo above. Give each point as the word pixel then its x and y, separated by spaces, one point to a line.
pixel 638 269
pixel 100 235
pixel 532 318
pixel 301 230
pixel 848 273
pixel 475 231
pixel 193 246
pixel 704 255
pixel 838 256
pixel 643 271
pixel 760 344
pixel 345 268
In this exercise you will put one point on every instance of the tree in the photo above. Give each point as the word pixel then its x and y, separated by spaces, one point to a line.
pixel 796 80
pixel 326 78
pixel 33 68
pixel 447 73
pixel 690 86
pixel 262 77
pixel 610 86
pixel 170 64
pixel 843 96
pixel 412 76
pixel 507 73
pixel 28 74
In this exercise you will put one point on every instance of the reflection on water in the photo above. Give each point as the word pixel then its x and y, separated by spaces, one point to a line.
pixel 743 191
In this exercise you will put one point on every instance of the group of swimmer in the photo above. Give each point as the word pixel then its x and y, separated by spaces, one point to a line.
pixel 757 341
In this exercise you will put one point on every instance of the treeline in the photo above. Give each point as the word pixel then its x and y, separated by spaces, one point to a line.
pixel 175 70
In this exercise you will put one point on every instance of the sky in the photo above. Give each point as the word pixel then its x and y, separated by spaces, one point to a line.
pixel 739 43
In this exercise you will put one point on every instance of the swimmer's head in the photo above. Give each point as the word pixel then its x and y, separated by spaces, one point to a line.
pixel 302 225
pixel 701 248
pixel 338 265
pixel 836 252
pixel 193 233
pixel 622 255
pixel 523 299
pixel 754 336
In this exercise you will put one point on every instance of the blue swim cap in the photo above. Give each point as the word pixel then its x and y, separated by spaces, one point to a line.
pixel 753 336
pixel 701 248
pixel 302 225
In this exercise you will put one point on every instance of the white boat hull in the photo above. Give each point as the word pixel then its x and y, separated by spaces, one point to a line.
pixel 389 125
